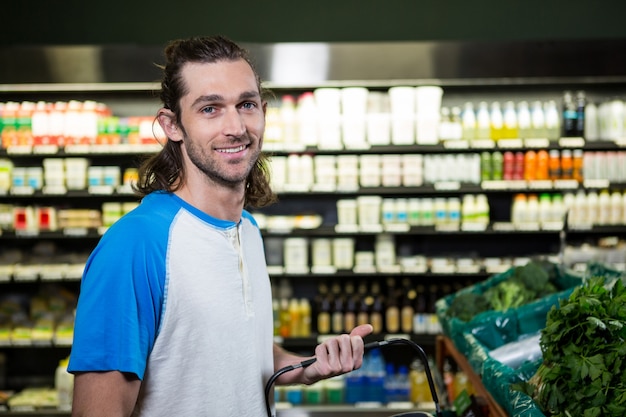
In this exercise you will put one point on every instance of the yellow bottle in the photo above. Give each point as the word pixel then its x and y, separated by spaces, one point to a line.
pixel 295 318
pixel 305 318
pixel 420 390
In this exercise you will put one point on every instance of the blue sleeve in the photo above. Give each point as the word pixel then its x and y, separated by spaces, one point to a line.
pixel 121 297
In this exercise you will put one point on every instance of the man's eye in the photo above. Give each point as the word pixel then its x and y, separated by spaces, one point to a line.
pixel 208 109
pixel 248 105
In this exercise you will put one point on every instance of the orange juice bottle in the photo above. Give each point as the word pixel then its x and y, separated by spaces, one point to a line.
pixel 567 168
pixel 577 165
pixel 554 165
pixel 542 165
pixel 530 165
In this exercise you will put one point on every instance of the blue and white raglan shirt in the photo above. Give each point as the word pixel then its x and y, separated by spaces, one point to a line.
pixel 183 301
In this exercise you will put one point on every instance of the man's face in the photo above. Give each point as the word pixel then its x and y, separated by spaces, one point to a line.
pixel 222 120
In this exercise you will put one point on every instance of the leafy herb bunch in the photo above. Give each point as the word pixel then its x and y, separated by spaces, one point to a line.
pixel 583 372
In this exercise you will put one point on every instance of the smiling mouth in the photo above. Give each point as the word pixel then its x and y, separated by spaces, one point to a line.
pixel 232 150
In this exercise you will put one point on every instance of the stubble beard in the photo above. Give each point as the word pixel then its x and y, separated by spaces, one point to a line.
pixel 211 169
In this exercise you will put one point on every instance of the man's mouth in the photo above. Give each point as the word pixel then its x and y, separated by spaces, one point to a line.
pixel 232 150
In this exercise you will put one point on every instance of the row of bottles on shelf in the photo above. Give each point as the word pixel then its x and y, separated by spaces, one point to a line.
pixel 57 175
pixel 355 117
pixel 71 123
pixel 35 219
pixel 397 306
pixel 303 172
pixel 584 209
pixel 379 381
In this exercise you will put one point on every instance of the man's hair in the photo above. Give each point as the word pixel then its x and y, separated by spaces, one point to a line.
pixel 164 170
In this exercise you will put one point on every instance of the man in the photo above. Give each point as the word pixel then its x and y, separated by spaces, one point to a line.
pixel 174 316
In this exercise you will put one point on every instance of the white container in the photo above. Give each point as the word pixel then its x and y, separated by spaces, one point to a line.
pixel 18 177
pixel 296 253
pixel 95 176
pixel 111 175
pixel 325 167
pixel 76 173
pixel 343 253
pixel 378 119
pixel 391 170
pixel 34 177
pixel 370 170
pixel 348 172
pixel 412 171
pixel 321 252
pixel 428 100
pixel 278 172
pixel 347 212
pixel 385 251
pixel 369 210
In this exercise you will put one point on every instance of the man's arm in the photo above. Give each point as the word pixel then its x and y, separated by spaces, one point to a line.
pixel 335 356
pixel 110 394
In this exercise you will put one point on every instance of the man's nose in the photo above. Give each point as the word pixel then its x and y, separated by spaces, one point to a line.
pixel 233 124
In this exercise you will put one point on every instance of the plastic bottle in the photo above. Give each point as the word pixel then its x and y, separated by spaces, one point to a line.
pixel 538 121
pixel 485 166
pixel 391 384
pixel 375 373
pixel 469 122
pixel 483 121
pixel 508 165
pixel 497 161
pixel 448 380
pixel 580 104
pixel 530 165
pixel 545 209
pixel 577 165
pixel 420 391
pixel 453 208
pixel 64 384
pixel 482 215
pixel 524 123
pixel 532 209
pixel 617 209
pixel 305 317
pixel 569 115
pixel 554 165
pixel 542 165
pixel 567 165
pixel 593 208
pixel 558 208
pixel 510 127
pixel 289 121
pixel 403 384
pixel 592 129
pixel 468 209
pixel 497 121
pixel 553 121
pixel 604 208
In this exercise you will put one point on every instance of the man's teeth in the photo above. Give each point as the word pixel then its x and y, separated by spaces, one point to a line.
pixel 233 150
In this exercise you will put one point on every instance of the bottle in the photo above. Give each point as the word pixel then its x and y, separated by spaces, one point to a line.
pixel 403 384
pixel 508 165
pixel 485 166
pixel 391 384
pixel 530 165
pixel 617 208
pixel 392 315
pixel 524 124
pixel 554 165
pixel 567 165
pixel 483 121
pixel 553 121
pixel 545 209
pixel 581 103
pixel 420 390
pixel 407 312
pixel 285 318
pixel 604 208
pixel 64 384
pixel 497 121
pixel 305 317
pixel 543 159
pixel 323 316
pixel 356 384
pixel 532 209
pixel 593 208
pixel 497 161
pixel 538 121
pixel 569 115
pixel 558 208
pixel 469 122
pixel 482 215
pixel 592 129
pixel 519 209
pixel 295 318
pixel 375 374
pixel 510 127
pixel 577 165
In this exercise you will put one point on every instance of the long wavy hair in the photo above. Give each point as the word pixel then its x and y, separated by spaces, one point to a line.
pixel 164 171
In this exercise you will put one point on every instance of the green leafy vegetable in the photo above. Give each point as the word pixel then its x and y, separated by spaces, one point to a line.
pixel 466 305
pixel 584 354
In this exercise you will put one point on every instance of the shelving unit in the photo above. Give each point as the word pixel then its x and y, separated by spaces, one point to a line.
pixel 499 239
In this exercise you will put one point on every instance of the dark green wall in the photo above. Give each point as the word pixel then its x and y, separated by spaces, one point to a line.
pixel 154 22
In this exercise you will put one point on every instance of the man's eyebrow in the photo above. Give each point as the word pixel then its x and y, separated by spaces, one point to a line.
pixel 246 95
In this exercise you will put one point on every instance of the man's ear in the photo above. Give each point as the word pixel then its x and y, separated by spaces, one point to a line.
pixel 169 124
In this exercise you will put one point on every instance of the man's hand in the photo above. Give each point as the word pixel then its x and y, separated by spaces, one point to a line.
pixel 338 355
